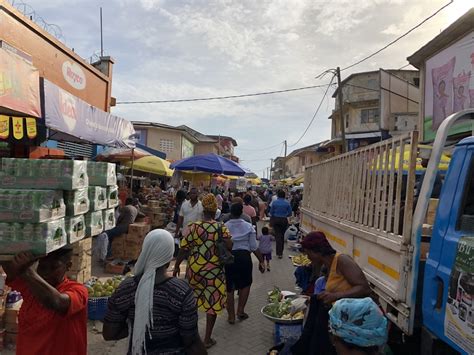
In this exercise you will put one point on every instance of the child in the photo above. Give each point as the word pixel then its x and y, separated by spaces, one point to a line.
pixel 265 246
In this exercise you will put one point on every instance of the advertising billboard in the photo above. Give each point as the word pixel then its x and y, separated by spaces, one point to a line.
pixel 449 86
pixel 68 114
pixel 19 84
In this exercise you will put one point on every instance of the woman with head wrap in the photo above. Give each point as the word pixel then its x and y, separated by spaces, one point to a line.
pixel 205 272
pixel 239 274
pixel 157 312
pixel 345 280
pixel 357 326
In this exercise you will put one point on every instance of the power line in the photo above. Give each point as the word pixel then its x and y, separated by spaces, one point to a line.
pixel 398 38
pixel 220 97
pixel 260 149
pixel 315 113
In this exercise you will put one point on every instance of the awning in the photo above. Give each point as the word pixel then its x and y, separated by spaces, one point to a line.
pixel 67 114
pixel 152 151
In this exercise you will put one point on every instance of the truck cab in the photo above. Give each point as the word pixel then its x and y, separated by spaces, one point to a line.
pixel 448 284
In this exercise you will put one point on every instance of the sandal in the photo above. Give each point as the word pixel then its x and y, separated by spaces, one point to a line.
pixel 210 344
pixel 243 316
pixel 231 321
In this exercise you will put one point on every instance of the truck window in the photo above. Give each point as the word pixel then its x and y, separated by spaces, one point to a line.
pixel 466 217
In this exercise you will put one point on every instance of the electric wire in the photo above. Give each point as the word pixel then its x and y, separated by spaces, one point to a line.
pixel 399 37
pixel 260 149
pixel 220 97
pixel 315 113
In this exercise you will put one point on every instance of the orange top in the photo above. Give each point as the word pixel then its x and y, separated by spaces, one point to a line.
pixel 46 332
pixel 336 282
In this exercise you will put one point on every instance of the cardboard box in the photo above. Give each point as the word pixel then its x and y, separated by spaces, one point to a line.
pixel 81 262
pixel 132 254
pixel 84 245
pixel 81 276
pixel 134 240
pixel 115 267
pixel 11 315
pixel 140 229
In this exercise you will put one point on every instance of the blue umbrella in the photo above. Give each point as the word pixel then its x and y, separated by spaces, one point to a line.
pixel 211 163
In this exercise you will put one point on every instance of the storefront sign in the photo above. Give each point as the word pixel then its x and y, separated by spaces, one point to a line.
pixel 68 114
pixel 448 86
pixel 74 75
pixel 19 84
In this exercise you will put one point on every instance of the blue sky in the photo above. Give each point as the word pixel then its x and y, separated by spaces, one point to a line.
pixel 173 49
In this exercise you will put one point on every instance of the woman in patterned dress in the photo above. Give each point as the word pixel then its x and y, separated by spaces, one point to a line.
pixel 204 272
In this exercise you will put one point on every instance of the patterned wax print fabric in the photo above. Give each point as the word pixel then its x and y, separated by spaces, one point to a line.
pixel 204 273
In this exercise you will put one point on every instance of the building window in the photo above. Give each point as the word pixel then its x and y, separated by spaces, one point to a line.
pixel 369 115
pixel 166 145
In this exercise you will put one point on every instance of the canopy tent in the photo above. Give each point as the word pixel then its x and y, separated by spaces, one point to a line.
pixel 121 154
pixel 210 163
pixel 298 180
pixel 151 164
pixel 443 164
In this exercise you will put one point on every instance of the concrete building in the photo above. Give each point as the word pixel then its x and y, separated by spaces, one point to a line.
pixel 295 163
pixel 377 105
pixel 182 141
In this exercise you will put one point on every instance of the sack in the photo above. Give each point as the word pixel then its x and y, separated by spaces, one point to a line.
pixel 224 254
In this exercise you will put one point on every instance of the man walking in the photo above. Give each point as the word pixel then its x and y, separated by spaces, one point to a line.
pixel 280 210
pixel 191 211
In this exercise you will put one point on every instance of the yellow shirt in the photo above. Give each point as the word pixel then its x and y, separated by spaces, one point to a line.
pixel 336 282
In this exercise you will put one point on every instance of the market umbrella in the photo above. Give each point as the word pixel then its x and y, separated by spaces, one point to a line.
pixel 211 163
pixel 121 154
pixel 151 164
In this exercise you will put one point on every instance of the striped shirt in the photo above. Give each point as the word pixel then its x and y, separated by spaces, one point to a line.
pixel 174 314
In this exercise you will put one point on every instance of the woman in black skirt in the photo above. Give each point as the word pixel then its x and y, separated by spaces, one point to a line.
pixel 239 274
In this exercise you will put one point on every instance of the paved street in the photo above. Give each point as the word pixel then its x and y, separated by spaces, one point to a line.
pixel 252 336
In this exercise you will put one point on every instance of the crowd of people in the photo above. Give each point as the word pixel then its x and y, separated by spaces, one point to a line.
pixel 158 311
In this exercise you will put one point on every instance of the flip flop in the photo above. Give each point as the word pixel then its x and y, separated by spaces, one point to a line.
pixel 243 316
pixel 211 343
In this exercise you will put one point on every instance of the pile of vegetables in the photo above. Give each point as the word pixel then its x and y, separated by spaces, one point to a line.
pixel 280 307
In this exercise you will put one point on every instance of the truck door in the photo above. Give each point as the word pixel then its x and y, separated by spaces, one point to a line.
pixel 448 290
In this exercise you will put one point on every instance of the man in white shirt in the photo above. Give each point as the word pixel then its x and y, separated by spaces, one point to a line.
pixel 191 211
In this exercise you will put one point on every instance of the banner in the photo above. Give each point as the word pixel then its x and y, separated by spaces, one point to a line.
pixel 31 130
pixel 4 127
pixel 68 114
pixel 19 84
pixel 449 86
pixel 17 123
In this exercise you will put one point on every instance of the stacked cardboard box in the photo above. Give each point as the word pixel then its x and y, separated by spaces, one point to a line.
pixel 431 213
pixel 129 246
pixel 81 261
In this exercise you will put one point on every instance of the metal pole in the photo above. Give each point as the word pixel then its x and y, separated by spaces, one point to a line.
pixel 286 146
pixel 101 36
pixel 133 161
pixel 341 110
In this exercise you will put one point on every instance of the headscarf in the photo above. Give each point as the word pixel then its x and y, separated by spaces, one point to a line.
pixel 358 321
pixel 209 203
pixel 317 241
pixel 157 251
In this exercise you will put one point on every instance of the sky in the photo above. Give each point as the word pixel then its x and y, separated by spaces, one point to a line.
pixel 177 49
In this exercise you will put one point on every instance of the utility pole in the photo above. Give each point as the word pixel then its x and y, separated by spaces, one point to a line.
pixel 341 111
pixel 101 36
pixel 286 146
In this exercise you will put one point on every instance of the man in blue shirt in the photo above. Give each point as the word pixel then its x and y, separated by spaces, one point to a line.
pixel 280 210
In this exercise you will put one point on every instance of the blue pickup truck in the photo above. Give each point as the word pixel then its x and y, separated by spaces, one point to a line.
pixel 420 264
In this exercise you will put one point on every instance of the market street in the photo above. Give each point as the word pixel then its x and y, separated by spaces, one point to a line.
pixel 252 336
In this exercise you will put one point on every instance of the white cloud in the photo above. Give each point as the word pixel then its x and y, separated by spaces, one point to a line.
pixel 184 49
